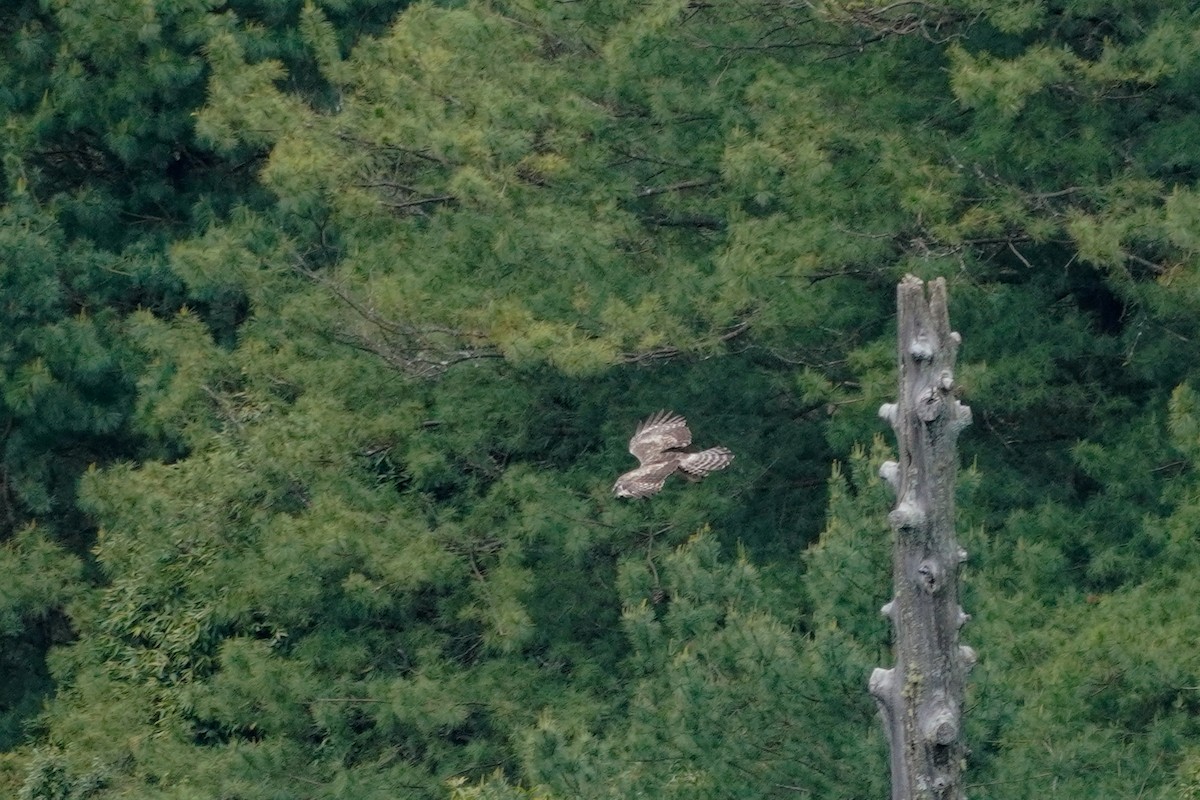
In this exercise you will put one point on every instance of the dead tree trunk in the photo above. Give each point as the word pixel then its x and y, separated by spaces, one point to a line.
pixel 921 697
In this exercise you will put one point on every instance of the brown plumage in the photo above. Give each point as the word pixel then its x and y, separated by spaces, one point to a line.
pixel 657 445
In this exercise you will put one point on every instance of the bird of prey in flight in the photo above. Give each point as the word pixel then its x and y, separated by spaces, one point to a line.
pixel 658 445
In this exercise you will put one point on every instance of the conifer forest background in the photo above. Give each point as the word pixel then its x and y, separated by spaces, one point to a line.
pixel 325 324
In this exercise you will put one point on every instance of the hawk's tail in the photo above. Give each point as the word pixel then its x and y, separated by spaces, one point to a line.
pixel 697 465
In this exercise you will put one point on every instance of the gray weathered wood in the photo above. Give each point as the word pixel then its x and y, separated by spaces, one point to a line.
pixel 921 697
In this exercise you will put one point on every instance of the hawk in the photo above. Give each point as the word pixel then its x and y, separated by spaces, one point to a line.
pixel 657 444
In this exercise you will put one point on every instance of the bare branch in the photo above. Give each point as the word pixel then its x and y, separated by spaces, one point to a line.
pixel 650 191
pixel 421 351
pixel 421 201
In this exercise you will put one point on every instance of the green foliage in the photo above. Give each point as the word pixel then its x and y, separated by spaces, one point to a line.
pixel 101 168
pixel 722 701
pixel 42 578
pixel 52 778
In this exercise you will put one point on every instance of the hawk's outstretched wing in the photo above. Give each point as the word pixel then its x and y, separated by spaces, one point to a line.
pixel 657 434
pixel 646 479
